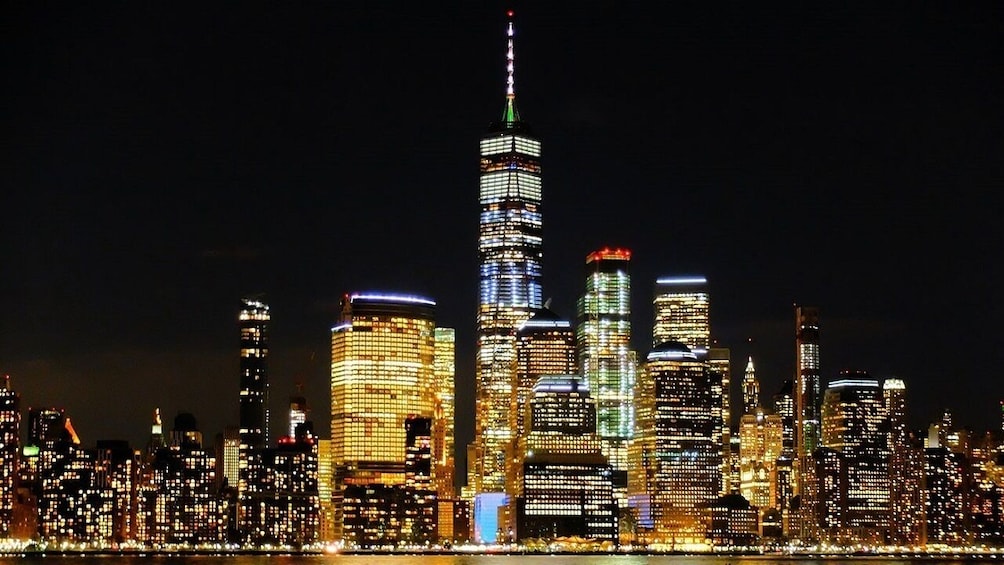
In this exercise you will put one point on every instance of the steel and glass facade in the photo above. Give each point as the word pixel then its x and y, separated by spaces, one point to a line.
pixel 676 462
pixel 807 379
pixel 608 363
pixel 509 258
pixel 444 411
pixel 682 306
pixel 10 451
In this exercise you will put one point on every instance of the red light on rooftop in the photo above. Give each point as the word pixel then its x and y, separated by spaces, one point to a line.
pixel 509 13
pixel 609 254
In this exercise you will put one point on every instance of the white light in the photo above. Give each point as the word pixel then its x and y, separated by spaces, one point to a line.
pixel 682 280
pixel 393 298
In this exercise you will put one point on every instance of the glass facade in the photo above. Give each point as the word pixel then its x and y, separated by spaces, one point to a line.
pixel 10 452
pixel 807 383
pixel 444 418
pixel 509 258
pixel 382 373
pixel 682 309
pixel 676 461
pixel 608 363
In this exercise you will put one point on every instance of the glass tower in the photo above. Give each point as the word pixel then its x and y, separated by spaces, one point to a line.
pixel 608 363
pixel 807 384
pixel 509 257
pixel 10 428
pixel 254 317
pixel 681 312
pixel 444 419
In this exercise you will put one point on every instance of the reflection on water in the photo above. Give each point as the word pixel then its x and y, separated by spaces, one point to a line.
pixel 463 560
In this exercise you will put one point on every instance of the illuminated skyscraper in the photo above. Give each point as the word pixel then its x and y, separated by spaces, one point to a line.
pixel 565 486
pixel 545 345
pixel 760 436
pixel 609 366
pixel 783 482
pixel 854 425
pixel 509 257
pixel 682 308
pixel 906 469
pixel 676 461
pixel 10 428
pixel 382 372
pixel 444 419
pixel 254 318
pixel 807 379
pixel 751 389
pixel 719 371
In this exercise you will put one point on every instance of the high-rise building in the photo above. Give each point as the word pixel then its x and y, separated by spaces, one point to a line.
pixel 906 469
pixel 444 413
pixel 945 508
pixel 719 371
pixel 10 452
pixel 608 363
pixel 382 373
pixel 253 402
pixel 419 505
pixel 682 308
pixel 545 345
pixel 807 379
pixel 783 483
pixel 509 258
pixel 760 437
pixel 854 425
pixel 676 461
pixel 565 487
pixel 751 389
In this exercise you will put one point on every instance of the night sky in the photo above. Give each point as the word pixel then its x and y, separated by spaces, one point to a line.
pixel 163 159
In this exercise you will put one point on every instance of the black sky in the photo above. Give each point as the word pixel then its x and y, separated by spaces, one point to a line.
pixel 162 159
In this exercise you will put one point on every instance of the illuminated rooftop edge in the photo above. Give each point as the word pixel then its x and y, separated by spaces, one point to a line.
pixel 894 384
pixel 404 298
pixel 854 382
pixel 671 355
pixel 696 279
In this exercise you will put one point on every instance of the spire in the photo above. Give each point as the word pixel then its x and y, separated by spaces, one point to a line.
pixel 511 115
pixel 751 389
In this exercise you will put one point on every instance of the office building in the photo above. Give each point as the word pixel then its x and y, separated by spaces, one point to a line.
pixel 682 308
pixel 853 424
pixel 566 487
pixel 509 259
pixel 545 345
pixel 10 452
pixel 608 363
pixel 807 379
pixel 760 436
pixel 676 461
pixel 382 373
pixel 253 321
pixel 906 469
pixel 751 389
pixel 444 443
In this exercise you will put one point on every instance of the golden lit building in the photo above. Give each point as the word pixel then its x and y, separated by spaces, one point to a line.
pixel 682 306
pixel 545 345
pixel 760 436
pixel 444 412
pixel 676 461
pixel 382 372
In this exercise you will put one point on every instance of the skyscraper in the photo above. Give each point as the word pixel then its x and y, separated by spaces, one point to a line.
pixel 565 487
pixel 682 308
pixel 751 389
pixel 854 425
pixel 676 462
pixel 444 412
pixel 382 372
pixel 906 469
pixel 807 379
pixel 509 257
pixel 297 411
pixel 608 364
pixel 10 428
pixel 254 318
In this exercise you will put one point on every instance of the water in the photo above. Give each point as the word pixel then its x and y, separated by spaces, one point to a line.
pixel 468 560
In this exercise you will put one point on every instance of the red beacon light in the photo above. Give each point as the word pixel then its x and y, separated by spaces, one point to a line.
pixel 509 13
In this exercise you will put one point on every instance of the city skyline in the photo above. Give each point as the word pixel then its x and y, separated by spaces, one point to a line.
pixel 127 273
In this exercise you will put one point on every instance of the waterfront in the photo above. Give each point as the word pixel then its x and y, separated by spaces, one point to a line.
pixel 481 559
